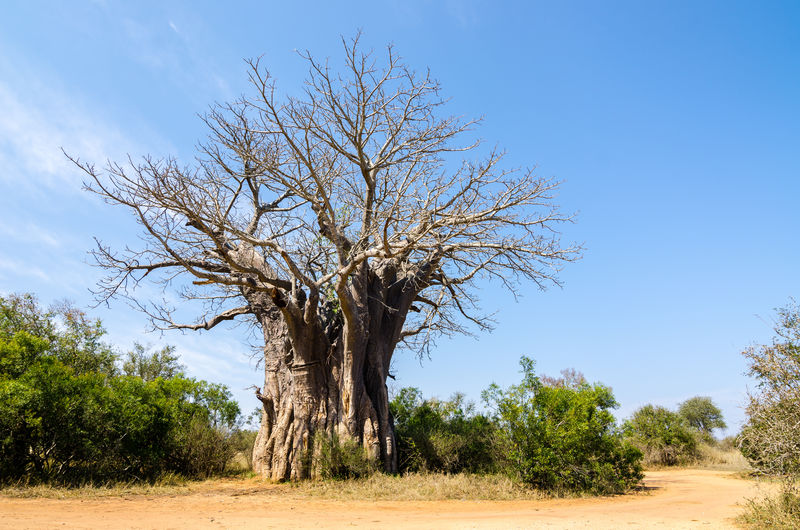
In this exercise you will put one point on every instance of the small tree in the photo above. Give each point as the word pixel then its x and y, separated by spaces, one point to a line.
pixel 71 336
pixel 701 413
pixel 442 435
pixel 663 436
pixel 150 366
pixel 563 437
pixel 771 437
pixel 66 418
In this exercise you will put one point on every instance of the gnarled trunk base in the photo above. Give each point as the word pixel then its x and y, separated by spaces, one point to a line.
pixel 311 390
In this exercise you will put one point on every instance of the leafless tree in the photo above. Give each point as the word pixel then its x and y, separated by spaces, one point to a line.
pixel 345 222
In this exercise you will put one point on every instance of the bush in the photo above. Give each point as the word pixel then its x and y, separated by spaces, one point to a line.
pixel 663 436
pixel 59 427
pixel 702 414
pixel 771 437
pixel 444 436
pixel 66 417
pixel 341 459
pixel 242 442
pixel 563 437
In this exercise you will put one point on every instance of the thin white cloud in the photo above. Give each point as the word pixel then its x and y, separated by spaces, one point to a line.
pixel 30 233
pixel 177 56
pixel 463 11
pixel 36 123
pixel 15 269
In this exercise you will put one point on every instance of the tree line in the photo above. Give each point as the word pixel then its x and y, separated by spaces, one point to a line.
pixel 72 410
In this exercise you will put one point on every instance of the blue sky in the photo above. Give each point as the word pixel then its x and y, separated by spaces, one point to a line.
pixel 675 127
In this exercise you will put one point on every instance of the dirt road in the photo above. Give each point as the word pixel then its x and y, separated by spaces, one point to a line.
pixel 675 499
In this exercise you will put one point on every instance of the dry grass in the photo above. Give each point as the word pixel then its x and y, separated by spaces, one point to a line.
pixel 419 487
pixel 781 511
pixel 712 457
pixel 167 485
pixel 91 491
pixel 717 458
pixel 378 487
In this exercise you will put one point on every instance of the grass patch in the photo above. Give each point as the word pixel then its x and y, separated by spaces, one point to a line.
pixel 92 491
pixel 779 511
pixel 377 487
pixel 711 457
pixel 167 485
pixel 419 487
pixel 721 459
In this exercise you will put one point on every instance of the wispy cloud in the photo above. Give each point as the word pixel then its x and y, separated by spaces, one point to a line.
pixel 464 12
pixel 30 233
pixel 14 268
pixel 178 56
pixel 37 122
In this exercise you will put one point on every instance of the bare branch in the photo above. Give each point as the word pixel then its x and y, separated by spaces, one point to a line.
pixel 222 317
pixel 345 194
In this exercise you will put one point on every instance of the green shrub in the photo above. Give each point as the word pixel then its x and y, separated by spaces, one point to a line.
pixel 703 415
pixel 444 436
pixel 663 436
pixel 66 417
pixel 563 438
pixel 242 442
pixel 341 459
pixel 771 437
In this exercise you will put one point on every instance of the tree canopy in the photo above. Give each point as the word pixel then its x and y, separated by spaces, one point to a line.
pixel 295 195
pixel 701 413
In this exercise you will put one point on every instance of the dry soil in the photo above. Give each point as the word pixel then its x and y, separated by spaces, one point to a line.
pixel 672 499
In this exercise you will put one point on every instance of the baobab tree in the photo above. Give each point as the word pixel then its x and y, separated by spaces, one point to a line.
pixel 345 222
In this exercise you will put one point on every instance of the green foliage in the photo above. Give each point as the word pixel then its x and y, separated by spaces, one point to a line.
pixel 701 413
pixel 70 335
pixel 771 437
pixel 65 417
pixel 563 437
pixel 663 436
pixel 19 352
pixel 445 436
pixel 242 442
pixel 341 459
pixel 150 366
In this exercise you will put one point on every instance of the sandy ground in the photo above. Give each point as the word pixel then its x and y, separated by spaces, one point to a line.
pixel 674 499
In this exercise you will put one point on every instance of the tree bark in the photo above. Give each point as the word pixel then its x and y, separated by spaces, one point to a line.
pixel 316 389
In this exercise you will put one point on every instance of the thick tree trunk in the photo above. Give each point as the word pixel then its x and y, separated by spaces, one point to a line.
pixel 313 390
pixel 325 370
